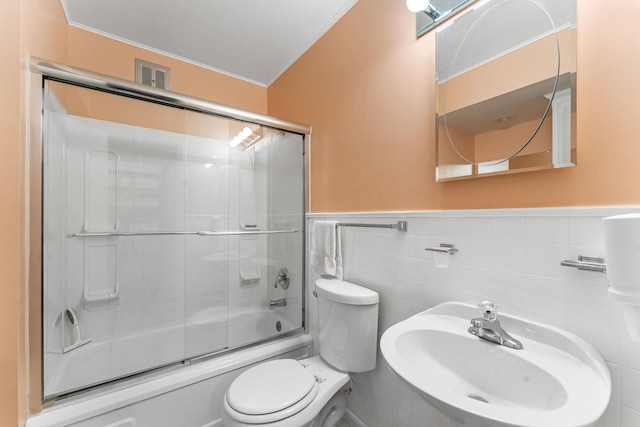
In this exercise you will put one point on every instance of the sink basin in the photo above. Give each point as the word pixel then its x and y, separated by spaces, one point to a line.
pixel 557 380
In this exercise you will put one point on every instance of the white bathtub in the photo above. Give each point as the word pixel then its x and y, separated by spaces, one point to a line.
pixel 207 331
pixel 236 326
pixel 185 396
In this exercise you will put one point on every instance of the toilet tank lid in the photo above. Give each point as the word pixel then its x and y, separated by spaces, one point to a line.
pixel 345 292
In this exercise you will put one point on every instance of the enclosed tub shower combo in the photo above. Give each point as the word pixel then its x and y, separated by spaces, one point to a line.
pixel 172 232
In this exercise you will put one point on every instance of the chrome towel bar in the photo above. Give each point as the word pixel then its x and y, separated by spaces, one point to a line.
pixel 179 233
pixel 400 226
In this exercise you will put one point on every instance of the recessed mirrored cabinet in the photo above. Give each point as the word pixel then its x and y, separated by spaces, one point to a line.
pixel 505 87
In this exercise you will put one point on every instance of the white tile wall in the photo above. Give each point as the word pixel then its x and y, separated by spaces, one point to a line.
pixel 509 256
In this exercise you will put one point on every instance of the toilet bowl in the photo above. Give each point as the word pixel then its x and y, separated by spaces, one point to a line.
pixel 286 393
pixel 311 392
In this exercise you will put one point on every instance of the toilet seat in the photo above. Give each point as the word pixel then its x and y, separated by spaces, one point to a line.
pixel 270 392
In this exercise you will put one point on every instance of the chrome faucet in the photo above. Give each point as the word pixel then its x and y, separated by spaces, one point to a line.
pixel 488 327
pixel 277 303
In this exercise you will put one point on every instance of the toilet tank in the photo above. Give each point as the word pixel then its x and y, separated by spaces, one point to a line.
pixel 348 325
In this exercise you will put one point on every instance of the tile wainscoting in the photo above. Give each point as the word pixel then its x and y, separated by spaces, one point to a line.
pixel 509 256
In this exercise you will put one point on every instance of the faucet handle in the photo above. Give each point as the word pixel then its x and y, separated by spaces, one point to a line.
pixel 488 310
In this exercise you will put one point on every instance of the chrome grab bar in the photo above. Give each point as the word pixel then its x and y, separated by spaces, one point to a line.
pixel 179 233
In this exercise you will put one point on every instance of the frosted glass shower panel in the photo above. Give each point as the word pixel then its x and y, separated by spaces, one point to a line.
pixel 165 237
pixel 101 190
pixel 206 208
pixel 113 302
pixel 100 281
pixel 267 195
pixel 282 159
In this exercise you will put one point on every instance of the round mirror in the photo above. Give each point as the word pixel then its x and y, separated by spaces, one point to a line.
pixel 500 75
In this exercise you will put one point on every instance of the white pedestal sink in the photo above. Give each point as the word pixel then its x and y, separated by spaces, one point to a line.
pixel 556 380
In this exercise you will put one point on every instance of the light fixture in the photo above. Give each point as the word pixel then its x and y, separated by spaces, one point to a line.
pixel 432 11
pixel 246 138
pixel 417 5
pixel 504 122
pixel 424 6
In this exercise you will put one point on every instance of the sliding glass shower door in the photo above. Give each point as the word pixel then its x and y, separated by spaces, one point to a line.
pixel 164 238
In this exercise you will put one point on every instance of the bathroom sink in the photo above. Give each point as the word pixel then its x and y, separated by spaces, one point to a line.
pixel 557 379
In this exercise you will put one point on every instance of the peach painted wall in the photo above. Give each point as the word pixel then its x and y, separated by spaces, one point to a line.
pixel 464 142
pixel 82 102
pixel 367 88
pixel 10 245
pixel 94 52
pixel 42 34
pixel 38 28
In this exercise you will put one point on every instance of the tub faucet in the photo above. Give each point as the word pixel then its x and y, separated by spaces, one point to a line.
pixel 277 303
pixel 488 327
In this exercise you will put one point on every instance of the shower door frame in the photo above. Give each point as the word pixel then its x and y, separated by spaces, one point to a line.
pixel 41 70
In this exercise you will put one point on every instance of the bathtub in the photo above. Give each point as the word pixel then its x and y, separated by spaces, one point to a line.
pixel 207 331
pixel 238 325
pixel 183 396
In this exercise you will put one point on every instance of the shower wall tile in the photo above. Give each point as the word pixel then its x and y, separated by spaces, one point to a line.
pixel 423 226
pixel 586 231
pixel 629 417
pixel 509 256
pixel 630 388
pixel 611 417
pixel 614 370
pixel 509 229
pixel 506 255
pixel 473 280
pixel 476 252
pixel 447 227
pixel 474 228
pixel 544 259
pixel 629 351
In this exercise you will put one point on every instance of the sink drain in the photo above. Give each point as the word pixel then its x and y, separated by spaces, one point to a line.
pixel 478 398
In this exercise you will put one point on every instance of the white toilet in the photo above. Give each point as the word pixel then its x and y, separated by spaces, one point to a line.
pixel 309 392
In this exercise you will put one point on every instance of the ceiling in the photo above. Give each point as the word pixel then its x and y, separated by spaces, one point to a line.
pixel 254 40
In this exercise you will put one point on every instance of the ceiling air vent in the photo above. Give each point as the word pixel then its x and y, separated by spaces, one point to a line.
pixel 153 74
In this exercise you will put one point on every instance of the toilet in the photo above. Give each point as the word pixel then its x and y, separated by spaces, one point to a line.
pixel 311 392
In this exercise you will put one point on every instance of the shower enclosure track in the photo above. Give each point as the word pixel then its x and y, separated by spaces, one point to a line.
pixel 180 233
pixel 43 70
pixel 90 79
